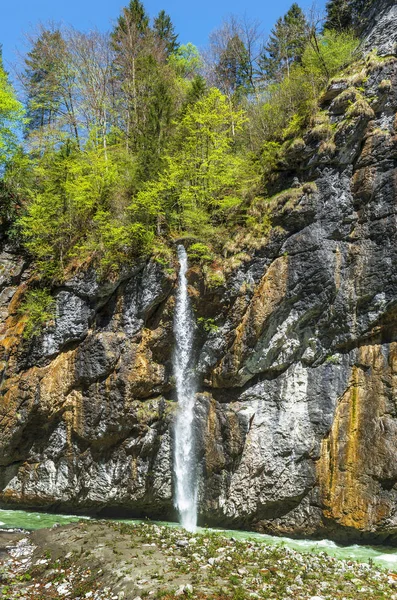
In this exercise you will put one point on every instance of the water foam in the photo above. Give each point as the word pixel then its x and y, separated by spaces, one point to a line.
pixel 185 467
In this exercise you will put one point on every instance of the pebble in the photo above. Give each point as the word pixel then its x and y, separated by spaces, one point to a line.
pixel 63 589
pixel 184 589
pixel 180 591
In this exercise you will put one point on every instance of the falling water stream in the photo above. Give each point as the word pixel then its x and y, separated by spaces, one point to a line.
pixel 185 468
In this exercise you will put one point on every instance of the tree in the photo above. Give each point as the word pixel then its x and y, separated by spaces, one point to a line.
pixel 339 15
pixel 186 61
pixel 202 172
pixel 326 54
pixel 91 57
pixel 41 79
pixel 285 45
pixel 130 44
pixel 11 118
pixel 232 69
pixel 71 188
pixel 164 31
pixel 196 91
pixel 232 57
pixel 343 15
pixel 49 81
pixel 133 17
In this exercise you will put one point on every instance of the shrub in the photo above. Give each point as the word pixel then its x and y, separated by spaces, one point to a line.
pixel 361 108
pixel 385 85
pixel 326 55
pixel 321 132
pixel 38 306
pixel 214 278
pixel 200 252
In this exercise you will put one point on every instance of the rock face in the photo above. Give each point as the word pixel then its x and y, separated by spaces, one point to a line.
pixel 380 32
pixel 296 353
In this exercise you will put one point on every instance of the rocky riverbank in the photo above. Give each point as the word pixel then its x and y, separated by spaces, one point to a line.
pixel 114 561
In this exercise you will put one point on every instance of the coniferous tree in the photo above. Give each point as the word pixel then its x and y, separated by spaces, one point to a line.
pixel 232 56
pixel 50 85
pixel 42 79
pixel 198 88
pixel 347 14
pixel 134 16
pixel 285 45
pixel 165 32
pixel 340 15
pixel 130 40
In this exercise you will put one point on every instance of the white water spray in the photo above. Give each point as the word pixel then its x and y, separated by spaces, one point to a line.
pixel 185 467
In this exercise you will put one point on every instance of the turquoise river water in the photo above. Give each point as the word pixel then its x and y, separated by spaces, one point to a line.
pixel 385 557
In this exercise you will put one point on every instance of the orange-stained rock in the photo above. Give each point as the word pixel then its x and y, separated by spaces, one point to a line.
pixel 357 468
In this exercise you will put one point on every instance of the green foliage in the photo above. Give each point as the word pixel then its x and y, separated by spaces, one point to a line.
pixel 43 78
pixel 117 242
pixel 328 54
pixel 339 15
pixel 343 15
pixel 15 188
pixel 77 210
pixel 11 118
pixel 38 307
pixel 285 46
pixel 186 60
pixel 214 278
pixel 164 30
pixel 200 252
pixel 133 17
pixel 130 145
pixel 233 67
pixel 202 172
pixel 291 103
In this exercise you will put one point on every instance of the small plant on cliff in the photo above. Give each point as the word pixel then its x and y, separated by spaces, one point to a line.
pixel 208 324
pixel 38 307
pixel 200 252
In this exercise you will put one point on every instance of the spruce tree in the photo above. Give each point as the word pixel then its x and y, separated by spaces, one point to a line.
pixel 134 16
pixel 339 15
pixel 42 79
pixel 285 45
pixel 347 14
pixel 164 31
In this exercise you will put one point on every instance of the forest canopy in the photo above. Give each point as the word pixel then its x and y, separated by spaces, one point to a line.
pixel 131 140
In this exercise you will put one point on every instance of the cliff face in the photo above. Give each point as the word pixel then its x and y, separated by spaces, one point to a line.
pixel 297 410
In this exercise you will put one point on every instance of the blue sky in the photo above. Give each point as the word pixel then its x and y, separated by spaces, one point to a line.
pixel 193 20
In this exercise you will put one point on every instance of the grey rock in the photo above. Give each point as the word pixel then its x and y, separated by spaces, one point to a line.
pixel 72 320
pixel 381 31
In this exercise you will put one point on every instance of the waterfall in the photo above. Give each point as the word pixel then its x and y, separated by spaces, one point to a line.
pixel 185 467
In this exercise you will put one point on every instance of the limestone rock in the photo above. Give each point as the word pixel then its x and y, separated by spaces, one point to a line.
pixel 296 419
